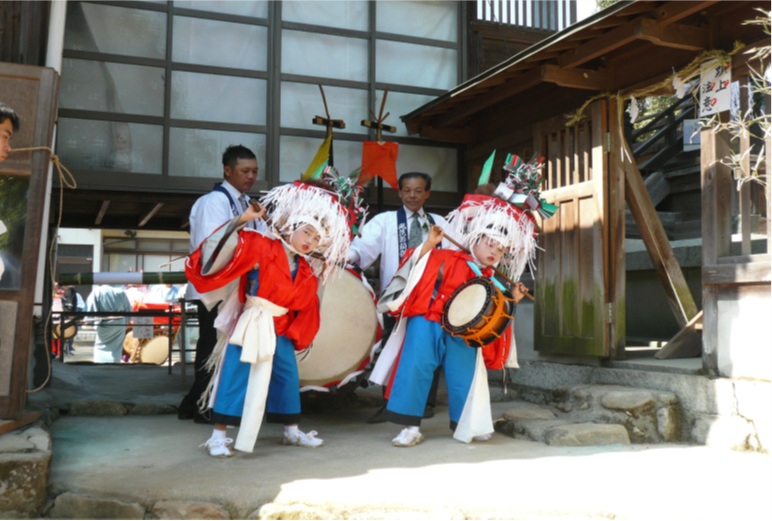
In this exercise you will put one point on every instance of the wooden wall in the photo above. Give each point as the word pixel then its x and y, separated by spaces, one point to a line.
pixel 24 32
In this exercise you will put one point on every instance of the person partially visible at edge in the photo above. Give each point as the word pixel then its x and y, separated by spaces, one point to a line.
pixel 9 123
pixel 389 235
pixel 227 200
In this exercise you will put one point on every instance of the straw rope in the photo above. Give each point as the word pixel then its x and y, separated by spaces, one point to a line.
pixel 686 74
pixel 68 181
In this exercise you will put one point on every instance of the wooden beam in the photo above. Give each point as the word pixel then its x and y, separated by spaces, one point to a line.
pixel 671 12
pixel 448 134
pixel 600 45
pixel 758 272
pixel 576 78
pixel 687 343
pixel 102 212
pixel 636 8
pixel 150 215
pixel 653 234
pixel 676 36
pixel 514 86
pixel 26 418
pixel 611 22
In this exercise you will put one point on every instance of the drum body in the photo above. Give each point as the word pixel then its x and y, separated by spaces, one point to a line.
pixel 70 330
pixel 478 312
pixel 349 329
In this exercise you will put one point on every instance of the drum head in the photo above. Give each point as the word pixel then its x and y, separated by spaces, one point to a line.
pixel 70 330
pixel 349 324
pixel 156 351
pixel 467 305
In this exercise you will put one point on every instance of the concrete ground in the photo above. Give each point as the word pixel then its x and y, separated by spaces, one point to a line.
pixel 145 459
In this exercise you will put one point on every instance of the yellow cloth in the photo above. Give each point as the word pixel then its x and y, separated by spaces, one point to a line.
pixel 322 155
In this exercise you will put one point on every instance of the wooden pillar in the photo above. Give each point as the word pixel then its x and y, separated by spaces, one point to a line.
pixel 657 244
pixel 744 209
pixel 616 239
pixel 768 179
pixel 716 232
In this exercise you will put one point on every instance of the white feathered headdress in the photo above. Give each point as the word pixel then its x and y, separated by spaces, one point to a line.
pixel 487 216
pixel 294 205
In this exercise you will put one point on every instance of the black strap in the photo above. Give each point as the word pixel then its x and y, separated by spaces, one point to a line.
pixel 218 187
pixel 402 231
pixel 402 235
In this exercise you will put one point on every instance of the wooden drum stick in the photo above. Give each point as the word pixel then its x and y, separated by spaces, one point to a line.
pixel 498 272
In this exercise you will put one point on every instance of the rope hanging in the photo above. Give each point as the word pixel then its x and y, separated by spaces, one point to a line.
pixel 64 180
pixel 684 75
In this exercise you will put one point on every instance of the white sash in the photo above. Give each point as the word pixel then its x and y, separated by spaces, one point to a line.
pixel 256 335
pixel 476 417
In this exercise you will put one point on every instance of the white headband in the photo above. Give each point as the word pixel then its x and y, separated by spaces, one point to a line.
pixel 305 219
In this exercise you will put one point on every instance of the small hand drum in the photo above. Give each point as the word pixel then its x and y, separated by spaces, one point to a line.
pixel 478 312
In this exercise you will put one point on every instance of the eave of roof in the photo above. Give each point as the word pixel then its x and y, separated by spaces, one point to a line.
pixel 522 56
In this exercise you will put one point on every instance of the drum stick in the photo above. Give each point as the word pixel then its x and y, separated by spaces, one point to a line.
pixel 498 272
pixel 256 205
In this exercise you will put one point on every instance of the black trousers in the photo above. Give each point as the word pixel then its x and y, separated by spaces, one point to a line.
pixel 207 338
pixel 389 323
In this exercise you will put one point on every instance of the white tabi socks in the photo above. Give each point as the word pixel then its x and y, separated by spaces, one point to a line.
pixel 219 445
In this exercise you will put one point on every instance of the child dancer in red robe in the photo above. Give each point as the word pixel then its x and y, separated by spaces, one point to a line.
pixel 270 308
pixel 496 233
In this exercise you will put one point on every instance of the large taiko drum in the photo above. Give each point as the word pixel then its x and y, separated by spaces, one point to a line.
pixel 478 312
pixel 147 351
pixel 348 337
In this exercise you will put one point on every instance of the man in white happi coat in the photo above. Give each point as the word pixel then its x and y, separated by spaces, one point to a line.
pixel 227 200
pixel 389 235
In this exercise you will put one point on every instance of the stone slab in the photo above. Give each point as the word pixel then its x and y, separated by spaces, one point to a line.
pixel 627 400
pixel 537 429
pixel 24 481
pixel 586 434
pixel 79 506
pixel 149 409
pixel 97 408
pixel 523 410
pixel 15 442
pixel 187 510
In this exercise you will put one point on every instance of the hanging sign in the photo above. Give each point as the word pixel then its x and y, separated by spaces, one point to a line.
pixel 715 93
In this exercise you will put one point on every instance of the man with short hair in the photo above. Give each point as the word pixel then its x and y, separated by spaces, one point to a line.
pixel 227 200
pixel 9 123
pixel 389 235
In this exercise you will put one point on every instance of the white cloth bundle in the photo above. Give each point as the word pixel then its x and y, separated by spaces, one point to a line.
pixel 255 331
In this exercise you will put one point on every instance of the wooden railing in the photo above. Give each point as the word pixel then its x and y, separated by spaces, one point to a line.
pixel 550 15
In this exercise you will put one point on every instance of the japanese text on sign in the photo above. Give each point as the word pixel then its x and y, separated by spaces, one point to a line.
pixel 715 94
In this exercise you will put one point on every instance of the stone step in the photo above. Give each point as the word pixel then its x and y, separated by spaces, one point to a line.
pixel 588 415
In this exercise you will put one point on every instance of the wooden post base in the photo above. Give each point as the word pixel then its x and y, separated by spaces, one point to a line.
pixel 26 418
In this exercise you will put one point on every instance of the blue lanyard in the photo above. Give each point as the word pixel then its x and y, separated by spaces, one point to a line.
pixel 477 271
